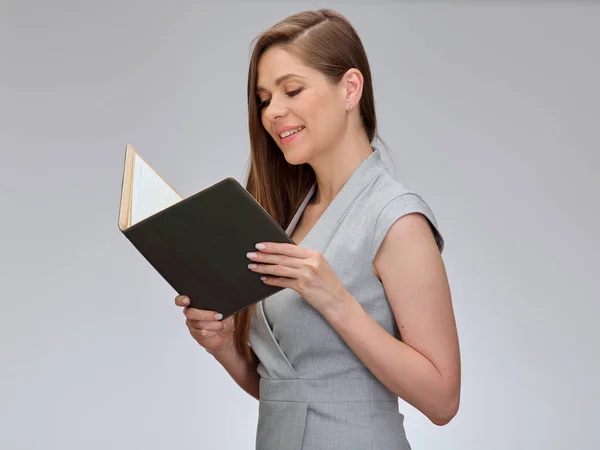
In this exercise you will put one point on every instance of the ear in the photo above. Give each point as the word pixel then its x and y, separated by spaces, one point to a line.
pixel 352 85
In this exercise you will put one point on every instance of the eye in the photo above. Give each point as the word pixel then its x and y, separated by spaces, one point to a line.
pixel 265 103
pixel 262 104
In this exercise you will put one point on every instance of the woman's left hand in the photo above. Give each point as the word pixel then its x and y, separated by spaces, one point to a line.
pixel 303 270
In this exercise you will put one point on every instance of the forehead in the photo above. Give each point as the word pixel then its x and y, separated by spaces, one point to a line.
pixel 276 65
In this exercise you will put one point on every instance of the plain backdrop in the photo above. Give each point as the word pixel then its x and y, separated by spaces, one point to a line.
pixel 490 110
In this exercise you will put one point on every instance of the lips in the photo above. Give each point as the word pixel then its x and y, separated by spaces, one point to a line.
pixel 290 135
pixel 286 129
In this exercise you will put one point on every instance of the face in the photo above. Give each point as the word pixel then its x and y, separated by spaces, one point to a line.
pixel 303 112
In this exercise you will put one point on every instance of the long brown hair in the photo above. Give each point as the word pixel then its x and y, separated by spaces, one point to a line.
pixel 326 41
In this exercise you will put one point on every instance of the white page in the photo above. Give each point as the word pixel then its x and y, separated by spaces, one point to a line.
pixel 150 192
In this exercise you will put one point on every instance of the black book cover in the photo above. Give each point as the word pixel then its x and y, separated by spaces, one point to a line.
pixel 199 246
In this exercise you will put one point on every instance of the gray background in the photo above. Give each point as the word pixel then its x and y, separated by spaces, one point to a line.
pixel 490 110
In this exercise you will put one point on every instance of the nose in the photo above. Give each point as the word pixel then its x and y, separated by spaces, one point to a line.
pixel 275 109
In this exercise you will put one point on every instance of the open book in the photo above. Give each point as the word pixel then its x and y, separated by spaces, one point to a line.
pixel 197 244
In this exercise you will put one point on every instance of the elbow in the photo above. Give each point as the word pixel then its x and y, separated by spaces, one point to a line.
pixel 441 420
pixel 446 411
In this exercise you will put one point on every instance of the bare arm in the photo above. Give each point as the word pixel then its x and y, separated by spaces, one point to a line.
pixel 216 337
pixel 239 368
pixel 424 367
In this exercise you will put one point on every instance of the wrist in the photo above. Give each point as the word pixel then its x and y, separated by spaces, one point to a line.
pixel 226 349
pixel 342 310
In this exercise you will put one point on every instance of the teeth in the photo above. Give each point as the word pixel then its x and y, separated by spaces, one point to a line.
pixel 290 132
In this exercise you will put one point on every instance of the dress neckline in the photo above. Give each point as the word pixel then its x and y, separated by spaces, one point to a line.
pixel 357 181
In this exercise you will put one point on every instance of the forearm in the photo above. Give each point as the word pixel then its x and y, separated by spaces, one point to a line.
pixel 398 366
pixel 240 369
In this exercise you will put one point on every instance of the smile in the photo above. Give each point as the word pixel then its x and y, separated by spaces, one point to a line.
pixel 287 136
pixel 290 132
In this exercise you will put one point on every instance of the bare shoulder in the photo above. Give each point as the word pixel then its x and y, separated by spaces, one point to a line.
pixel 410 234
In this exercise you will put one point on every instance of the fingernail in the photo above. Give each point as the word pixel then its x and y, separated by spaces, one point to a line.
pixel 185 300
pixel 218 316
pixel 251 255
pixel 260 246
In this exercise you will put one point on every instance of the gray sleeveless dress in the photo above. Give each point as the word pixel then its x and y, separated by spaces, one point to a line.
pixel 315 394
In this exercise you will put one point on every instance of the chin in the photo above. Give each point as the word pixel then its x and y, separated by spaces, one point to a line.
pixel 296 156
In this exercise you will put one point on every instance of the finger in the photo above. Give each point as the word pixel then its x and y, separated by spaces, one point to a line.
pixel 277 281
pixel 228 325
pixel 273 258
pixel 215 325
pixel 284 249
pixel 200 325
pixel 205 334
pixel 275 270
pixel 202 314
pixel 182 300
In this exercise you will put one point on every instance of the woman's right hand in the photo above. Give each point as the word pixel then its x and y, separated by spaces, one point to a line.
pixel 211 333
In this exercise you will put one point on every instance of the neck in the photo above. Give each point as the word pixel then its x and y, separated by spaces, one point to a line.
pixel 334 167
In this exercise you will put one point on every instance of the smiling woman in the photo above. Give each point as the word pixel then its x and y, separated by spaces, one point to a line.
pixel 367 314
pixel 300 105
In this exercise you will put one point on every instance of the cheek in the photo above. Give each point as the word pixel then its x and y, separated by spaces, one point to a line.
pixel 266 124
pixel 327 118
pixel 263 120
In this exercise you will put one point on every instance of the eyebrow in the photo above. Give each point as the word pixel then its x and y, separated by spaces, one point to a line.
pixel 280 80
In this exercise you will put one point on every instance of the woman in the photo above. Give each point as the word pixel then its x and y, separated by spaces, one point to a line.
pixel 367 316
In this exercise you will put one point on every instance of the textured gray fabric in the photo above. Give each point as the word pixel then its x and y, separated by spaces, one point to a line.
pixel 314 392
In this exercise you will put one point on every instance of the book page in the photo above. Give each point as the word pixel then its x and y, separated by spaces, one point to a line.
pixel 150 193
